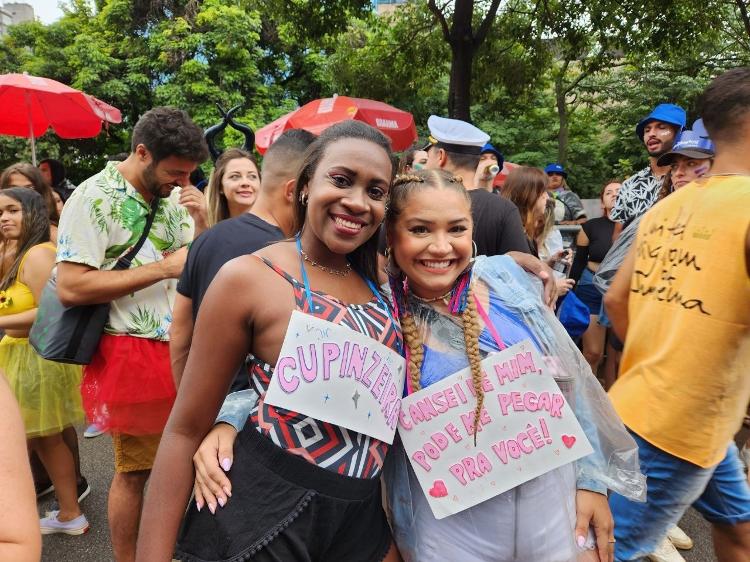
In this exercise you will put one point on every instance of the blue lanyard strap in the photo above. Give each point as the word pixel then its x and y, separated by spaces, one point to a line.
pixel 308 292
pixel 305 280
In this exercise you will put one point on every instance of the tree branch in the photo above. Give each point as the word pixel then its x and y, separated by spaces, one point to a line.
pixel 486 24
pixel 743 14
pixel 440 17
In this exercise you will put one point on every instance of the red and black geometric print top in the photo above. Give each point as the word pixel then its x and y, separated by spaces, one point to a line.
pixel 327 445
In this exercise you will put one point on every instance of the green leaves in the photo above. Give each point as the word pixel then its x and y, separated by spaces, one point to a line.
pixel 546 71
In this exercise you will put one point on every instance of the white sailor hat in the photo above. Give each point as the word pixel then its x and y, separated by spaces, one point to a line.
pixel 455 135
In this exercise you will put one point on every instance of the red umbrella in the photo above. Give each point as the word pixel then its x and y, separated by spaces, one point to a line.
pixel 318 115
pixel 29 105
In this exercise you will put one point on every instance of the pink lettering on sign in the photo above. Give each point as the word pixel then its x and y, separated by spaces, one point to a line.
pixel 421 459
pixel 468 421
pixel 470 468
pixel 331 352
pixel 512 369
pixel 525 443
pixel 309 372
pixel 381 383
pixel 531 402
pixel 376 359
pixel 453 433
pixel 356 361
pixel 288 384
pixel 432 405
pixel 440 440
pixel 344 357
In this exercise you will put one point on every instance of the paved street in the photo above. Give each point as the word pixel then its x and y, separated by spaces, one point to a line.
pixel 96 456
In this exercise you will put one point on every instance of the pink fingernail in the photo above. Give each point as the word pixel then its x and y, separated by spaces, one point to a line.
pixel 227 491
pixel 222 502
pixel 226 464
pixel 199 505
pixel 581 541
pixel 212 508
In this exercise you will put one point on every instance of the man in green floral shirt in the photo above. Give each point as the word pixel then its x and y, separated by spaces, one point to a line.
pixel 127 388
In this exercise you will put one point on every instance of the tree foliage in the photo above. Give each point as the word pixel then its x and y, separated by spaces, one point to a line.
pixel 548 79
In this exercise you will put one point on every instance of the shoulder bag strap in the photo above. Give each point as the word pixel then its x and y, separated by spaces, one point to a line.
pixel 125 261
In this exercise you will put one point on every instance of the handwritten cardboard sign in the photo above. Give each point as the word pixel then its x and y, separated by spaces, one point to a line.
pixel 526 429
pixel 334 374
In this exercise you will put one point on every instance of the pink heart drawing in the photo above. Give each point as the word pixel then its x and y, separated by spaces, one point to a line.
pixel 438 489
pixel 568 440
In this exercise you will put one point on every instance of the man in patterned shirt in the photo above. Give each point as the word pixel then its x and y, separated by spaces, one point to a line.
pixel 127 388
pixel 639 192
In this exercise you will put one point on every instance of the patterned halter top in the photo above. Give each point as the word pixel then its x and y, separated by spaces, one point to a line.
pixel 324 444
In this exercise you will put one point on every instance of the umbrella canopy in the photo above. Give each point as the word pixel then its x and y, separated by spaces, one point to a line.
pixel 318 115
pixel 29 105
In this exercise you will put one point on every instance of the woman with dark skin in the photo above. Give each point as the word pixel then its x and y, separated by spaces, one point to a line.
pixel 341 195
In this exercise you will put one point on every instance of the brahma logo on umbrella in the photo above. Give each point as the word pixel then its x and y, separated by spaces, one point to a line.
pixel 386 123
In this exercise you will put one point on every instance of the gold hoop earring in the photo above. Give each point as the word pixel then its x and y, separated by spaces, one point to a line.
pixel 303 197
pixel 474 251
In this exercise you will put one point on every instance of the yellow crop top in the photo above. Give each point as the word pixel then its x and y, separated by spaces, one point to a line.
pixel 18 296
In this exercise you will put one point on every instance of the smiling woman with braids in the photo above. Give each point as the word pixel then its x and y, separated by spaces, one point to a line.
pixel 456 308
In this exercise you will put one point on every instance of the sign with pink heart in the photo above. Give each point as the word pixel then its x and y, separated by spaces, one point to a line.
pixel 526 428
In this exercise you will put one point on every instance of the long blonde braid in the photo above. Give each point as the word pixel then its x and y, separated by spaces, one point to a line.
pixel 416 350
pixel 472 329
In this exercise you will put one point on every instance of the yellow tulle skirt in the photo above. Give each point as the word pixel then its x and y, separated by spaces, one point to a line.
pixel 48 393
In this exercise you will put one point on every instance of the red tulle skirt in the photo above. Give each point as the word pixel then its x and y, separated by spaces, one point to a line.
pixel 128 386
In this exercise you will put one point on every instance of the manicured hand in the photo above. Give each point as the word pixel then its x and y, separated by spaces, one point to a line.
pixel 592 510
pixel 212 460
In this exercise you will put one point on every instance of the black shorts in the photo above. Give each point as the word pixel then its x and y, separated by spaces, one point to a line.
pixel 285 509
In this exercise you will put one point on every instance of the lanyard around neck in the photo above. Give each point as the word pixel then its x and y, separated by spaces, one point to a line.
pixel 308 291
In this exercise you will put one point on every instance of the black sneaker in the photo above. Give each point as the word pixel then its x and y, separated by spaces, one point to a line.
pixel 43 489
pixel 84 489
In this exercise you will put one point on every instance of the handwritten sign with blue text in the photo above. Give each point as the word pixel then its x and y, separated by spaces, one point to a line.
pixel 334 374
pixel 526 428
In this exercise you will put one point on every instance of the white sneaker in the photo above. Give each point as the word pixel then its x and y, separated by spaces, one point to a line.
pixel 665 552
pixel 93 431
pixel 51 524
pixel 679 538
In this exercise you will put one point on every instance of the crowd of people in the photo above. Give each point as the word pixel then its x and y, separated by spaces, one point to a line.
pixel 442 259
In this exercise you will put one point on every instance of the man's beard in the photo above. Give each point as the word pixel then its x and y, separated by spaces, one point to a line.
pixel 150 182
pixel 666 146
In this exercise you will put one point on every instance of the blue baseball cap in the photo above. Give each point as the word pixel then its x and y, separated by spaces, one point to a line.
pixel 665 112
pixel 488 148
pixel 690 144
pixel 700 129
pixel 556 169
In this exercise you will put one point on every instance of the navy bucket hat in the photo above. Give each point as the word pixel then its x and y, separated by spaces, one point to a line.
pixel 665 112
pixel 488 148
